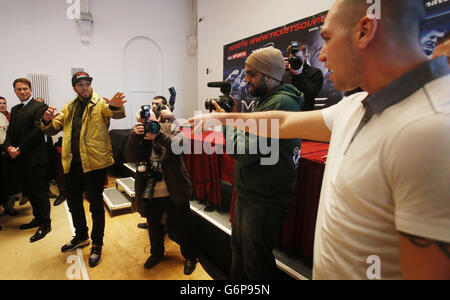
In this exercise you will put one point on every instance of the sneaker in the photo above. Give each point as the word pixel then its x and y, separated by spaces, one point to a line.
pixel 74 244
pixel 189 266
pixel 152 261
pixel 95 257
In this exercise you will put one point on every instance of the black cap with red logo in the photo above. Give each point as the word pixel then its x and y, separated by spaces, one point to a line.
pixel 77 77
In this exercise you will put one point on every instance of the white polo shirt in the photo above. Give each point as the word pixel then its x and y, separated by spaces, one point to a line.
pixel 394 176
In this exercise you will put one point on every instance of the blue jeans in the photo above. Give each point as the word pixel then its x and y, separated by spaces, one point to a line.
pixel 256 231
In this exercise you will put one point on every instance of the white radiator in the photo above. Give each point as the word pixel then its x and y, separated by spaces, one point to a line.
pixel 39 84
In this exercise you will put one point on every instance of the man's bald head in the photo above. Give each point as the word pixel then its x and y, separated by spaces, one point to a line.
pixel 362 46
pixel 398 17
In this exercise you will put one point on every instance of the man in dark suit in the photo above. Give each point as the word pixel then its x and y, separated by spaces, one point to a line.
pixel 26 147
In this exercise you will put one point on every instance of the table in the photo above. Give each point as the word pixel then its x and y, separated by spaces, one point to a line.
pixel 299 227
pixel 204 166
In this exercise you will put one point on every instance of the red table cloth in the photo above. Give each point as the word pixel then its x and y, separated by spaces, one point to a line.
pixel 299 227
pixel 203 164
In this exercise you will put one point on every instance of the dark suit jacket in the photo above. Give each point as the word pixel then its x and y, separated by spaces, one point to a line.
pixel 25 132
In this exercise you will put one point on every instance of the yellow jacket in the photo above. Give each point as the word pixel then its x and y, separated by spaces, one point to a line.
pixel 95 144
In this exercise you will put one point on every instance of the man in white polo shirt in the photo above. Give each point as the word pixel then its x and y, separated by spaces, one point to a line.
pixel 384 210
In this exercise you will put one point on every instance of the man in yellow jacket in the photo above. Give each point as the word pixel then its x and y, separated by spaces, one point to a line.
pixel 86 155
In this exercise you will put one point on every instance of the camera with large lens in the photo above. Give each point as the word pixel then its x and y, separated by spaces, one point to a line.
pixel 224 101
pixel 153 174
pixel 295 61
pixel 152 127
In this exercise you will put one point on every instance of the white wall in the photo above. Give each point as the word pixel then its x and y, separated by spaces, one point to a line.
pixel 228 21
pixel 37 37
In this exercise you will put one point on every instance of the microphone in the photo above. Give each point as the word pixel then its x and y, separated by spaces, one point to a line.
pixel 225 87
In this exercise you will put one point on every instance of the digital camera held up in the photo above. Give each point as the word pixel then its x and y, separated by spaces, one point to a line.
pixel 152 127
pixel 145 111
pixel 159 107
pixel 225 101
pixel 295 61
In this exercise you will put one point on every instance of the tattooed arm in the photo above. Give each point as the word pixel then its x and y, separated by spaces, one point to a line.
pixel 424 259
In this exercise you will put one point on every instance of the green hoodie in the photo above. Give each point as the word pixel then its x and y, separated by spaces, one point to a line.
pixel 258 181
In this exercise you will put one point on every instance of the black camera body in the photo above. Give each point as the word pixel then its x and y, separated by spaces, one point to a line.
pixel 224 101
pixel 152 173
pixel 159 107
pixel 145 111
pixel 152 127
pixel 295 61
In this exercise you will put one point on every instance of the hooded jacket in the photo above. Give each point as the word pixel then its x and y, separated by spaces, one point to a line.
pixel 269 184
pixel 95 143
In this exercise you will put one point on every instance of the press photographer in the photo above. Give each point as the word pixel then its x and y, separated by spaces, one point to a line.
pixel 164 109
pixel 162 185
pixel 299 73
pixel 225 101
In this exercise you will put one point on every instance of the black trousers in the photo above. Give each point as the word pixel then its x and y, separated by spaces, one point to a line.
pixel 4 182
pixel 34 184
pixel 92 183
pixel 256 231
pixel 178 216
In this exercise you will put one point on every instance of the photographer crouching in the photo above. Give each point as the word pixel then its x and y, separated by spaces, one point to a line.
pixel 162 185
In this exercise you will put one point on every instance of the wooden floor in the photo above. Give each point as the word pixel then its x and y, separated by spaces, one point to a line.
pixel 125 250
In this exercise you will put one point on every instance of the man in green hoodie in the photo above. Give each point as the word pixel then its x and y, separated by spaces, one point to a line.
pixel 264 181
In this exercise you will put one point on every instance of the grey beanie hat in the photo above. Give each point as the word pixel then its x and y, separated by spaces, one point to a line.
pixel 269 61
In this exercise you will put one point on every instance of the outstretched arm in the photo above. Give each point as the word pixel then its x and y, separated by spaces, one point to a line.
pixel 52 123
pixel 118 100
pixel 114 108
pixel 304 125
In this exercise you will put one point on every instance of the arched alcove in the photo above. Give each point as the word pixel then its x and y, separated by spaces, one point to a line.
pixel 143 73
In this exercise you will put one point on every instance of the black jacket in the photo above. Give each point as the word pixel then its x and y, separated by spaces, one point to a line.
pixel 309 83
pixel 25 132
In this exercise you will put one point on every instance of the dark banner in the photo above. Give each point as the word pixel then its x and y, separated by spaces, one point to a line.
pixel 307 31
pixel 436 25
